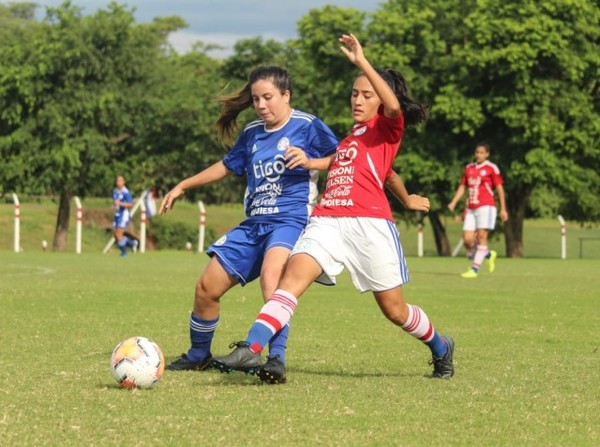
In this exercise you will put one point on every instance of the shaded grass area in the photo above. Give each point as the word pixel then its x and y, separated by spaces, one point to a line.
pixel 526 358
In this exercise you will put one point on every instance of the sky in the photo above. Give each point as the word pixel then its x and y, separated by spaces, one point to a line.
pixel 224 22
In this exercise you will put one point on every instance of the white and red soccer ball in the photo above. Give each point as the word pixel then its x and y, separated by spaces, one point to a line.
pixel 137 362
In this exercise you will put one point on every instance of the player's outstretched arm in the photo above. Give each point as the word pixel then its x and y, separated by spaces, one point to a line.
pixel 296 158
pixel 459 192
pixel 212 174
pixel 412 202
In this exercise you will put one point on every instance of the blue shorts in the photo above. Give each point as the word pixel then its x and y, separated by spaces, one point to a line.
pixel 242 250
pixel 122 221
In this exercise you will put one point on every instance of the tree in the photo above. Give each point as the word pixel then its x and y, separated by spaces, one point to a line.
pixel 522 75
pixel 70 98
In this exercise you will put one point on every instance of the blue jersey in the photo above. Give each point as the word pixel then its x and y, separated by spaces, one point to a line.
pixel 122 195
pixel 275 193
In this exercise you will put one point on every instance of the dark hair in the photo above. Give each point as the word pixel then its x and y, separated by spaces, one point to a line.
pixel 414 111
pixel 484 145
pixel 234 104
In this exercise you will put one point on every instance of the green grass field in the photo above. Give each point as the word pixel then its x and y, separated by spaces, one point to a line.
pixel 526 358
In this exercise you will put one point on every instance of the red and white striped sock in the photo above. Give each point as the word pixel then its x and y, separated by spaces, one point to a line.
pixel 482 251
pixel 418 324
pixel 274 315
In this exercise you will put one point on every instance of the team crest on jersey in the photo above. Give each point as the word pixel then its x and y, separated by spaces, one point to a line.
pixel 483 172
pixel 221 240
pixel 359 131
pixel 283 144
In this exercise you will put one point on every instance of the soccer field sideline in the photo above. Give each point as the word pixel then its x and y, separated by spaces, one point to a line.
pixel 526 358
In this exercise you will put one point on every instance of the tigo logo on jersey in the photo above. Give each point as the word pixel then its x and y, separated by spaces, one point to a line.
pixel 270 171
pixel 283 144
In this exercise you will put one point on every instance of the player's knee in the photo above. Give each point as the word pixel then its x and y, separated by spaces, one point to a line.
pixel 204 293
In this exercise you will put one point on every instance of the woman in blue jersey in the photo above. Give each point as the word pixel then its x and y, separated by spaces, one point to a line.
pixel 123 202
pixel 278 202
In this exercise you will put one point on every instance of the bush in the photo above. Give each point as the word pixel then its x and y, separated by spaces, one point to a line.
pixel 169 234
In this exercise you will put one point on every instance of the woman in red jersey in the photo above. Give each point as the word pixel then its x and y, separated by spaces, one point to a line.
pixel 480 178
pixel 352 226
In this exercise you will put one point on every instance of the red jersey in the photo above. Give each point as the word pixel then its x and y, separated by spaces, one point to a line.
pixel 363 160
pixel 481 179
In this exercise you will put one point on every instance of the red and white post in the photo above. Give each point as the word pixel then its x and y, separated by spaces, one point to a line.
pixel 563 237
pixel 201 226
pixel 79 225
pixel 143 225
pixel 420 237
pixel 17 245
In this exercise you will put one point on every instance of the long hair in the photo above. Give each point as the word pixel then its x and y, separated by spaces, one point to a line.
pixel 414 111
pixel 235 103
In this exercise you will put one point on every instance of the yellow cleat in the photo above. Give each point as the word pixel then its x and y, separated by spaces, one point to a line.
pixel 469 274
pixel 492 261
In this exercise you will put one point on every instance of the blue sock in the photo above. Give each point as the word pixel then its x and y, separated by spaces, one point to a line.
pixel 278 343
pixel 258 336
pixel 489 255
pixel 123 246
pixel 201 335
pixel 437 345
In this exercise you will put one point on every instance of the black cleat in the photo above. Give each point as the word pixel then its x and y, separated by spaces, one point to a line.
pixel 273 371
pixel 443 368
pixel 240 359
pixel 183 363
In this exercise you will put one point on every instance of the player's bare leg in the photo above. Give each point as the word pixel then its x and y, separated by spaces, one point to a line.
pixel 414 321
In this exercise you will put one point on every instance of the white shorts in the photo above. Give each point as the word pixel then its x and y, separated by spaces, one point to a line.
pixel 370 248
pixel 483 218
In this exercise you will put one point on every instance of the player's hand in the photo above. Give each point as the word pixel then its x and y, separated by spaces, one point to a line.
pixel 451 206
pixel 352 49
pixel 503 215
pixel 168 202
pixel 416 202
pixel 296 158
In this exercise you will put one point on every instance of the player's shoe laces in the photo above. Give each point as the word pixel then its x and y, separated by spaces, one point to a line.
pixel 469 274
pixel 240 359
pixel 183 363
pixel 443 367
pixel 492 261
pixel 273 371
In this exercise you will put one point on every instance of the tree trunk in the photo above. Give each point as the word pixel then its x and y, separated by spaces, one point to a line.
pixel 62 222
pixel 439 232
pixel 516 204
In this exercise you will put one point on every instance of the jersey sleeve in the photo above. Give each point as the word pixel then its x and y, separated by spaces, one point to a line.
pixel 464 180
pixel 496 177
pixel 320 140
pixel 237 158
pixel 127 197
pixel 391 129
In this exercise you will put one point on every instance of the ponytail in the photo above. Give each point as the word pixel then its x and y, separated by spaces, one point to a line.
pixel 414 111
pixel 234 104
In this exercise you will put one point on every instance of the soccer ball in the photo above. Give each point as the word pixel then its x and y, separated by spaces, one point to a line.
pixel 137 362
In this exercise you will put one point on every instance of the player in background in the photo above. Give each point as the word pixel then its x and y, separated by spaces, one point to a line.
pixel 352 226
pixel 278 202
pixel 480 177
pixel 123 202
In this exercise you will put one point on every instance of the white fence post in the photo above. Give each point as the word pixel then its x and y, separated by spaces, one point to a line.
pixel 78 225
pixel 457 247
pixel 143 227
pixel 17 244
pixel 563 237
pixel 201 226
pixel 420 237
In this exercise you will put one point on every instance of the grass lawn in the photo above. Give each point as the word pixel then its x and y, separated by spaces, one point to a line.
pixel 527 358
